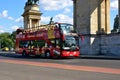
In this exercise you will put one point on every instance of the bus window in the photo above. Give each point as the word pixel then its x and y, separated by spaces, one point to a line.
pixel 23 44
pixel 67 28
pixel 41 43
pixel 52 42
pixel 33 44
pixel 69 41
pixel 58 43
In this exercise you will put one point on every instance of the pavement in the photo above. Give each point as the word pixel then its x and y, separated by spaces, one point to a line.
pixel 113 57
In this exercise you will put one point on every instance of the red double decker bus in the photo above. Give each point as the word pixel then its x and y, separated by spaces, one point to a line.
pixel 58 39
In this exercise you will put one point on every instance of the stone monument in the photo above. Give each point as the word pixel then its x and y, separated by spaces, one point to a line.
pixel 92 16
pixel 32 14
pixel 116 25
pixel 91 19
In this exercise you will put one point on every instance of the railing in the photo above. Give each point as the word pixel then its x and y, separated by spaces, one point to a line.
pixel 38 28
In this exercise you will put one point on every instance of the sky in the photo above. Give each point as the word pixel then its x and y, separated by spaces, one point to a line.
pixel 60 10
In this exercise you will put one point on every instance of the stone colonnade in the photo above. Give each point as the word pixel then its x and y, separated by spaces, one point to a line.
pixel 92 19
pixel 92 16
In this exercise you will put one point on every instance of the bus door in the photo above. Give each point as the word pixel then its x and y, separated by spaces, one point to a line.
pixel 30 46
pixel 55 46
pixel 39 47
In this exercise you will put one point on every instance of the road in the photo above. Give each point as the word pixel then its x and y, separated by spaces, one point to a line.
pixel 15 67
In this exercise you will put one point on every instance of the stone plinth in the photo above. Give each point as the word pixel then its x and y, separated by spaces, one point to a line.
pixel 31 16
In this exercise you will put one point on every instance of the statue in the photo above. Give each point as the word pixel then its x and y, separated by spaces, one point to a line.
pixel 116 22
pixel 51 21
pixel 30 2
pixel 35 1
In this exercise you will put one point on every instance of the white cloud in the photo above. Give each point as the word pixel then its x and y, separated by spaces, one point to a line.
pixel 55 4
pixel 67 10
pixel 10 18
pixel 45 20
pixel 58 18
pixel 19 19
pixel 63 18
pixel 14 28
pixel 114 4
pixel 2 31
pixel 4 14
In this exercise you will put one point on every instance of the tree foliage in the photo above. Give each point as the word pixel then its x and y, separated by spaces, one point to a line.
pixel 7 40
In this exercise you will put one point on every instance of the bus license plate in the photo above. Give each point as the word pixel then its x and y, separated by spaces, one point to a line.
pixel 71 54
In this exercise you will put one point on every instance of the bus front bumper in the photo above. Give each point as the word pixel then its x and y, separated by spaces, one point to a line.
pixel 70 54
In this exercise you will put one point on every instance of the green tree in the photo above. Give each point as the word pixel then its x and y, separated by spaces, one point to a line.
pixel 13 36
pixel 6 40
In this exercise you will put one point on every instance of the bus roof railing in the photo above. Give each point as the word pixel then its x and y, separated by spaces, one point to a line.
pixel 37 28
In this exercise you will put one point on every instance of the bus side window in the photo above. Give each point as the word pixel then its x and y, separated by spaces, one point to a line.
pixel 53 42
pixel 33 44
pixel 23 44
pixel 58 43
pixel 46 45
pixel 20 44
pixel 41 43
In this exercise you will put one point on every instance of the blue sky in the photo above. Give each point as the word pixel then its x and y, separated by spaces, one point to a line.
pixel 61 10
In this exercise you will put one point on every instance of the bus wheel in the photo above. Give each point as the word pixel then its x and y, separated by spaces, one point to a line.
pixel 47 54
pixel 24 54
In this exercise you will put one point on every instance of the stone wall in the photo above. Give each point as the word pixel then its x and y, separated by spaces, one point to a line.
pixel 90 45
pixel 101 44
pixel 110 44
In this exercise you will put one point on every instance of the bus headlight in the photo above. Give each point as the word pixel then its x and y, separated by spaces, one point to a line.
pixel 74 53
pixel 66 48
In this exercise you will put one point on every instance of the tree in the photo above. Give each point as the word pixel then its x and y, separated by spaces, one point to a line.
pixel 13 36
pixel 6 40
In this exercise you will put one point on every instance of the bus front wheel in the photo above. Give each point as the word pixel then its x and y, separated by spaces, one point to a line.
pixel 47 54
pixel 24 54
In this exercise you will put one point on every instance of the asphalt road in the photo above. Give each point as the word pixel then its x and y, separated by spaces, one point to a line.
pixel 15 67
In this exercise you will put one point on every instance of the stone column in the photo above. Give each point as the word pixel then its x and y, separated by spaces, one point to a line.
pixel 104 14
pixel 74 19
pixel 91 17
pixel 30 24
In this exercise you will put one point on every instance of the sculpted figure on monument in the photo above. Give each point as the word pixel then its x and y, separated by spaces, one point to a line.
pixel 116 22
pixel 30 2
pixel 35 1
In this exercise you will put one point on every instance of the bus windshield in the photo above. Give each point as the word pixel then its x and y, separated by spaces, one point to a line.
pixel 70 42
pixel 67 28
